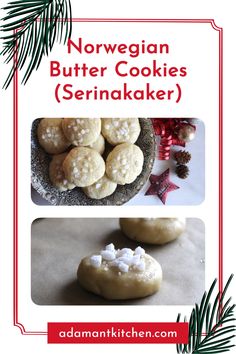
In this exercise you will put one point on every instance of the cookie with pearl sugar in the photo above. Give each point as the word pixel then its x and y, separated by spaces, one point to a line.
pixel 100 189
pixel 120 130
pixel 82 131
pixel 83 166
pixel 57 175
pixel 98 145
pixel 51 136
pixel 124 163
pixel 120 274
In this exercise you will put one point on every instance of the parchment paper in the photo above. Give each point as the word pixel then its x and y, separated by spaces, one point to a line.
pixel 58 245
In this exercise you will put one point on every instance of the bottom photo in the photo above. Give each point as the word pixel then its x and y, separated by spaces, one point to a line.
pixel 112 261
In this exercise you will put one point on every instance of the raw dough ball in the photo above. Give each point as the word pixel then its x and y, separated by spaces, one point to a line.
pixel 51 136
pixel 154 230
pixel 83 166
pixel 100 189
pixel 120 130
pixel 124 163
pixel 56 173
pixel 81 131
pixel 120 274
pixel 99 145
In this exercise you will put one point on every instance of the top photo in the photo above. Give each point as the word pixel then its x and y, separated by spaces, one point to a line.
pixel 118 161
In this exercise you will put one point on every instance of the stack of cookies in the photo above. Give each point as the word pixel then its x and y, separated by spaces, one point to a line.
pixel 77 146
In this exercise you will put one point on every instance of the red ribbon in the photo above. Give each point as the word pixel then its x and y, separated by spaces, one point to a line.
pixel 167 129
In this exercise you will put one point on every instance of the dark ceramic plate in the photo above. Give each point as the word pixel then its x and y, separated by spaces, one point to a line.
pixel 40 179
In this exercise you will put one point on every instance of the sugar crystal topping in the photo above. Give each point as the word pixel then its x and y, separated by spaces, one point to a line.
pixel 124 259
pixel 96 261
pixel 122 127
pixel 59 174
pixel 52 134
pixel 78 127
pixel 81 166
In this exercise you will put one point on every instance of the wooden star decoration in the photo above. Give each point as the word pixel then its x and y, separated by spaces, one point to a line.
pixel 161 185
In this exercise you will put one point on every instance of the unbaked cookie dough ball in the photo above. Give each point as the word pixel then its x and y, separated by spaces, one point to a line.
pixel 153 230
pixel 57 175
pixel 124 163
pixel 83 166
pixel 120 130
pixel 100 189
pixel 82 131
pixel 99 145
pixel 120 274
pixel 51 136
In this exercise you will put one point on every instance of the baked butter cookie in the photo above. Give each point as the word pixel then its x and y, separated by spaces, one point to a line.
pixel 83 166
pixel 57 175
pixel 124 163
pixel 120 130
pixel 100 189
pixel 120 274
pixel 81 131
pixel 98 145
pixel 51 136
pixel 153 230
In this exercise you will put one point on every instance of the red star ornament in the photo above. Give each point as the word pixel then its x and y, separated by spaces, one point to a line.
pixel 161 186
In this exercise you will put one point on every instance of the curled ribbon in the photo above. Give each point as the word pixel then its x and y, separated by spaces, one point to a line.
pixel 167 129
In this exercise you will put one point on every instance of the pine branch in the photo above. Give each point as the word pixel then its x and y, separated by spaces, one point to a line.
pixel 215 319
pixel 31 28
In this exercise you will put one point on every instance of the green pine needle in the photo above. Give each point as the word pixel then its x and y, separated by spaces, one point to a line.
pixel 216 319
pixel 31 28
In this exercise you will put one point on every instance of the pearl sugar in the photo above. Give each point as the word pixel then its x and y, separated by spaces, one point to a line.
pixel 124 259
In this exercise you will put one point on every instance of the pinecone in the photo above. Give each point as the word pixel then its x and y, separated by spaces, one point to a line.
pixel 182 157
pixel 182 171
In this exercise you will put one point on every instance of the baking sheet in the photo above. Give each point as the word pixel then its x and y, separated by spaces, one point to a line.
pixel 58 245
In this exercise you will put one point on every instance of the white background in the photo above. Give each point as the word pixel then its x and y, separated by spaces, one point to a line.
pixel 197 104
